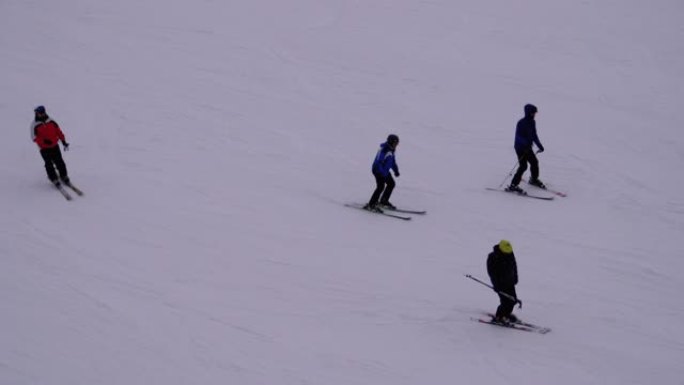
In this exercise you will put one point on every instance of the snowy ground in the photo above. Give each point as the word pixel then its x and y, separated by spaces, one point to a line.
pixel 217 142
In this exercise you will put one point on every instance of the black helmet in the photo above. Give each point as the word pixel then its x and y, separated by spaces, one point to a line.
pixel 39 110
pixel 392 139
pixel 530 109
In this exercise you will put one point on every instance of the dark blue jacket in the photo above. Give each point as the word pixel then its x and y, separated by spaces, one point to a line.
pixel 384 161
pixel 526 134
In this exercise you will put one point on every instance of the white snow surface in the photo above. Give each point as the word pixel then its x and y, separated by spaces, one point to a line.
pixel 217 141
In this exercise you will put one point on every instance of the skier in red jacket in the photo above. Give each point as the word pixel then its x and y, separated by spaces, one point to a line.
pixel 46 133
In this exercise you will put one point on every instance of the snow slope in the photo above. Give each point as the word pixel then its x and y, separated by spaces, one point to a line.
pixel 217 142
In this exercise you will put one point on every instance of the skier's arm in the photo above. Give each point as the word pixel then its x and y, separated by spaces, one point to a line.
pixel 515 272
pixel 60 134
pixel 535 139
pixel 493 272
pixel 385 162
pixel 33 131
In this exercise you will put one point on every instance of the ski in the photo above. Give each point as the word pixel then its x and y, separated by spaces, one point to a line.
pixel 560 194
pixel 539 329
pixel 360 207
pixel 508 325
pixel 552 191
pixel 76 189
pixel 405 211
pixel 546 198
pixel 63 191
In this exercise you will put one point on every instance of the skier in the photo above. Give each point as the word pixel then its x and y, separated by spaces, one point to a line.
pixel 46 133
pixel 382 164
pixel 525 136
pixel 503 272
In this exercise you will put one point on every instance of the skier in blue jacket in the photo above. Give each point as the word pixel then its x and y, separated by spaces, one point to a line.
pixel 382 164
pixel 525 136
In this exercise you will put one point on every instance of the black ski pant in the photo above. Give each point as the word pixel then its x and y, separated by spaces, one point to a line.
pixel 53 158
pixel 384 186
pixel 526 156
pixel 506 307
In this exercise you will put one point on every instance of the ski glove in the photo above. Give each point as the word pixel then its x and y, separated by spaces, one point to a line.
pixel 396 174
pixel 541 149
pixel 66 146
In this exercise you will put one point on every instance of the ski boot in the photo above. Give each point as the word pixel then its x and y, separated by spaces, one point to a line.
pixel 501 320
pixel 388 205
pixel 516 189
pixel 538 183
pixel 372 207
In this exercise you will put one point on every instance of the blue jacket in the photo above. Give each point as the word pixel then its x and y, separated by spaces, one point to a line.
pixel 526 134
pixel 384 161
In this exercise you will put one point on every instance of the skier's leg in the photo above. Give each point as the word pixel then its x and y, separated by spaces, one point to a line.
pixel 508 304
pixel 534 165
pixel 388 190
pixel 522 167
pixel 61 166
pixel 380 185
pixel 501 309
pixel 49 167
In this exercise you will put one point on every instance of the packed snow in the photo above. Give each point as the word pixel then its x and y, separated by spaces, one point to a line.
pixel 218 141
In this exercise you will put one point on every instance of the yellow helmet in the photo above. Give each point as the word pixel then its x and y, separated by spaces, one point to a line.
pixel 505 247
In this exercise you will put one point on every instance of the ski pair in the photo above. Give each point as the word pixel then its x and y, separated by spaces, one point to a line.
pixel 388 212
pixel 552 191
pixel 65 193
pixel 523 194
pixel 404 211
pixel 517 325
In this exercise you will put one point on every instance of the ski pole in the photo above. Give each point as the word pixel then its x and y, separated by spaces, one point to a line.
pixel 516 165
pixel 509 174
pixel 512 298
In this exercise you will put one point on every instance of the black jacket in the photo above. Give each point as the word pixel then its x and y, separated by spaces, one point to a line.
pixel 526 134
pixel 502 269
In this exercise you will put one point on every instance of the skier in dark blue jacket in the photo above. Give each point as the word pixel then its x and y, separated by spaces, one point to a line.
pixel 382 164
pixel 525 136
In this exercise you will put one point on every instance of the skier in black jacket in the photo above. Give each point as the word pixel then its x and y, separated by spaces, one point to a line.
pixel 503 272
pixel 525 136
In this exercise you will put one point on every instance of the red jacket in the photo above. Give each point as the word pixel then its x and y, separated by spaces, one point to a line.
pixel 47 134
